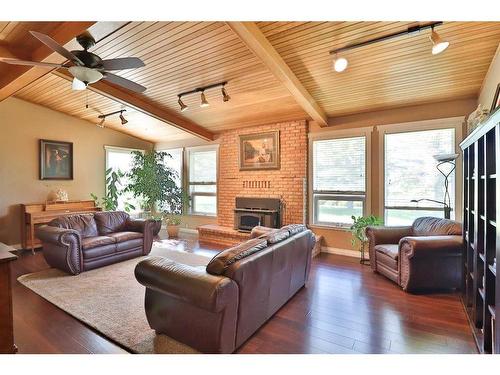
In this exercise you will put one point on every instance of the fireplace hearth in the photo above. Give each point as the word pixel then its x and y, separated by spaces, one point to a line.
pixel 251 212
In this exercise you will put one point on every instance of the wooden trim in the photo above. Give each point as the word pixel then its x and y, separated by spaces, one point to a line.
pixel 141 105
pixel 255 40
pixel 21 76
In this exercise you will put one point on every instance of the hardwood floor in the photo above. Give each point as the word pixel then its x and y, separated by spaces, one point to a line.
pixel 345 308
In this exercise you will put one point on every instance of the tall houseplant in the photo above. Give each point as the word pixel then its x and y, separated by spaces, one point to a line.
pixel 113 190
pixel 358 230
pixel 153 181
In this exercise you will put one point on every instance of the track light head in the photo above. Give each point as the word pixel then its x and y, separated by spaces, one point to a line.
pixel 339 64
pixel 225 96
pixel 181 104
pixel 101 123
pixel 122 118
pixel 204 102
pixel 438 44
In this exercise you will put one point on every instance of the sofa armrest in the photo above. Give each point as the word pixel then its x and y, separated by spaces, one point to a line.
pixel 55 235
pixel 189 284
pixel 430 261
pixel 430 245
pixel 260 230
pixel 61 248
pixel 383 235
pixel 139 225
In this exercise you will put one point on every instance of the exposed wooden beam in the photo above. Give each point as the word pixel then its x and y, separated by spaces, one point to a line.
pixel 144 106
pixel 16 77
pixel 255 40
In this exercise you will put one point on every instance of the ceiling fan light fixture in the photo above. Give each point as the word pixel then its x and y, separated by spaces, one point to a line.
pixel 339 64
pixel 438 44
pixel 86 75
pixel 225 96
pixel 204 103
pixel 78 85
pixel 122 118
pixel 183 106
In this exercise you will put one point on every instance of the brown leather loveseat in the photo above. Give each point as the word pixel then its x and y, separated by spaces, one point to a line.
pixel 83 242
pixel 425 255
pixel 217 308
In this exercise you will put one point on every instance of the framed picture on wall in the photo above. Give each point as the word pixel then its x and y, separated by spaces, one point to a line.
pixel 56 160
pixel 496 100
pixel 260 151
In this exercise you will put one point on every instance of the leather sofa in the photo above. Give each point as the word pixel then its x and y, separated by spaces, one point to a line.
pixel 216 308
pixel 425 255
pixel 79 243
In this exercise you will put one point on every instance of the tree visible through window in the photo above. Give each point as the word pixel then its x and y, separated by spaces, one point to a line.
pixel 410 173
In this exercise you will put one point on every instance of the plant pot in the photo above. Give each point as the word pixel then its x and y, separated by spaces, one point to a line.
pixel 173 231
pixel 156 227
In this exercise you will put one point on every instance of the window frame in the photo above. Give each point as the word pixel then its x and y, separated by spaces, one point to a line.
pixel 455 123
pixel 314 196
pixel 188 184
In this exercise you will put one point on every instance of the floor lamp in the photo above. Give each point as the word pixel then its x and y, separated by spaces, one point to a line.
pixel 444 161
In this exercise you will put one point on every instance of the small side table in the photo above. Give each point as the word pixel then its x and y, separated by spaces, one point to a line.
pixel 7 345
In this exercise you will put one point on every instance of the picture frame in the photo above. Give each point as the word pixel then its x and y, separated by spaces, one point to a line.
pixel 496 100
pixel 259 151
pixel 55 160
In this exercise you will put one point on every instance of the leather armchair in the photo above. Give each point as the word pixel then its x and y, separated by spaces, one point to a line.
pixel 426 255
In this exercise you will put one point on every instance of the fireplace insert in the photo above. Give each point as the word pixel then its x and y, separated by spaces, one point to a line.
pixel 251 212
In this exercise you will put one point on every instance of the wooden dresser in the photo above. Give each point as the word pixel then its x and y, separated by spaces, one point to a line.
pixel 34 214
pixel 6 317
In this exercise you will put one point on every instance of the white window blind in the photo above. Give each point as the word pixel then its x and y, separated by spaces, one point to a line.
pixel 410 174
pixel 339 180
pixel 202 182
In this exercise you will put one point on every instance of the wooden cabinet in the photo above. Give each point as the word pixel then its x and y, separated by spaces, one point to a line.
pixel 6 316
pixel 481 289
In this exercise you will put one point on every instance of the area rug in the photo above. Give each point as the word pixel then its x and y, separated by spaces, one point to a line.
pixel 111 301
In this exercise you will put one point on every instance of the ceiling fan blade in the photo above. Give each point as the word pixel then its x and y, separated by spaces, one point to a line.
pixel 53 45
pixel 30 63
pixel 78 85
pixel 117 80
pixel 123 63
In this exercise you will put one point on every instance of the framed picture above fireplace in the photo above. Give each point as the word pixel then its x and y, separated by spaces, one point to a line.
pixel 260 151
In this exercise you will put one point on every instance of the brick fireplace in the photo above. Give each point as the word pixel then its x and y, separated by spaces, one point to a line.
pixel 285 183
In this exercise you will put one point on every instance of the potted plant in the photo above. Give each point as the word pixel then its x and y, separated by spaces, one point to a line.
pixel 172 223
pixel 358 230
pixel 113 190
pixel 153 181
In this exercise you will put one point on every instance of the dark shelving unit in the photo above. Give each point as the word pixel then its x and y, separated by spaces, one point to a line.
pixel 480 286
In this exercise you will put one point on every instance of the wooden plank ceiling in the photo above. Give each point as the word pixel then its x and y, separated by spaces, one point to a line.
pixel 181 56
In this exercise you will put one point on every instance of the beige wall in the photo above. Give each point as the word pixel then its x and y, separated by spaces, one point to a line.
pixel 22 124
pixel 491 81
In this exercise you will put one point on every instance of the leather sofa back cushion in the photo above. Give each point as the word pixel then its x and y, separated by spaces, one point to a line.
pixel 224 259
pixel 277 236
pixel 294 228
pixel 433 226
pixel 111 221
pixel 83 224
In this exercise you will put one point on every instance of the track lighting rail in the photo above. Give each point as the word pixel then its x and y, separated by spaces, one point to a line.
pixel 201 89
pixel 409 30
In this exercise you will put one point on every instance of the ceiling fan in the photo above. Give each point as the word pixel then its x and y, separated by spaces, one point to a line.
pixel 86 67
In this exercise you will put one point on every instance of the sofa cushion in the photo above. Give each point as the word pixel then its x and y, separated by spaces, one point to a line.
pixel 83 224
pixel 111 221
pixel 125 236
pixel 295 228
pixel 224 259
pixel 433 226
pixel 91 242
pixel 277 236
pixel 99 251
pixel 387 261
pixel 135 243
pixel 390 250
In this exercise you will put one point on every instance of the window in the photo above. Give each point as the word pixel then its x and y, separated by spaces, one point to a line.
pixel 202 180
pixel 120 159
pixel 410 174
pixel 339 180
pixel 174 162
